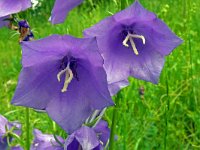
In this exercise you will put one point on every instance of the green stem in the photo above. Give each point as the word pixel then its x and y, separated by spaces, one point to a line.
pixel 27 129
pixel 112 133
pixel 123 4
pixel 17 137
pixel 166 109
pixel 114 119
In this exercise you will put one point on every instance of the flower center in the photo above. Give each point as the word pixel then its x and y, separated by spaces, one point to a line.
pixel 130 38
pixel 68 67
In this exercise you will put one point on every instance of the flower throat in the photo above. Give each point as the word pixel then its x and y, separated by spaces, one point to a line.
pixel 68 67
pixel 130 38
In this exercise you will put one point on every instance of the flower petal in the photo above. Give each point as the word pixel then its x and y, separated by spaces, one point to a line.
pixel 159 35
pixel 45 141
pixel 100 28
pixel 115 87
pixel 37 85
pixel 61 9
pixel 134 13
pixel 3 22
pixel 73 107
pixel 10 7
pixel 102 131
pixel 39 51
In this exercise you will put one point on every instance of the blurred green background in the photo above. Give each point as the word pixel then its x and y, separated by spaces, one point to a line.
pixel 167 116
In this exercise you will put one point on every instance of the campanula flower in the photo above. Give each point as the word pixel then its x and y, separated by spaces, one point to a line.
pixel 133 42
pixel 87 138
pixel 64 76
pixel 61 9
pixel 46 141
pixel 5 128
pixel 25 32
pixel 8 7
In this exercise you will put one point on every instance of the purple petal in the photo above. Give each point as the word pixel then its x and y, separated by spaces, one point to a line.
pixel 37 85
pixel 114 87
pixel 3 143
pixel 3 22
pixel 45 141
pixel 9 7
pixel 134 13
pixel 61 9
pixel 159 35
pixel 16 148
pixel 85 136
pixel 102 131
pixel 3 123
pixel 40 51
pixel 101 28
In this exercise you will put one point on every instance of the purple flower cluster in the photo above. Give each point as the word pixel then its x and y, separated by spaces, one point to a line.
pixel 61 9
pixel 71 78
pixel 85 138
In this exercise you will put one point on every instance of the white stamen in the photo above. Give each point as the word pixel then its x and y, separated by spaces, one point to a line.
pixel 126 40
pixel 68 77
pixel 130 38
pixel 133 46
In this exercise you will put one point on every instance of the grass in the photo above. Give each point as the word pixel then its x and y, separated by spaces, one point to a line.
pixel 167 117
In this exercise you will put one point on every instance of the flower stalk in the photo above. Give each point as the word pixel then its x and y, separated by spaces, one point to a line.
pixel 27 129
pixel 112 134
pixel 114 119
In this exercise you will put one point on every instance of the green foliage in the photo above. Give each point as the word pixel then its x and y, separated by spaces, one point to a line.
pixel 167 116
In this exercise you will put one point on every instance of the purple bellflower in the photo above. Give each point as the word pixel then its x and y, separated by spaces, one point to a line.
pixel 64 76
pixel 87 138
pixel 8 7
pixel 61 9
pixel 133 42
pixel 5 126
pixel 46 141
pixel 25 32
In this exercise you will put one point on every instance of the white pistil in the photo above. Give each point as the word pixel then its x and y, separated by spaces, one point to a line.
pixel 130 38
pixel 68 77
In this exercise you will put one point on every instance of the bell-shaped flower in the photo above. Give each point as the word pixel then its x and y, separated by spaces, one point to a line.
pixel 133 42
pixel 8 7
pixel 46 141
pixel 61 9
pixel 25 31
pixel 6 128
pixel 87 138
pixel 64 76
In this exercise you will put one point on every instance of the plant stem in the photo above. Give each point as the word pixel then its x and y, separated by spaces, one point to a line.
pixel 27 129
pixel 166 109
pixel 112 133
pixel 123 4
pixel 114 118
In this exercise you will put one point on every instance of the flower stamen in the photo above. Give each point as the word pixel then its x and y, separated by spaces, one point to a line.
pixel 68 77
pixel 130 38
